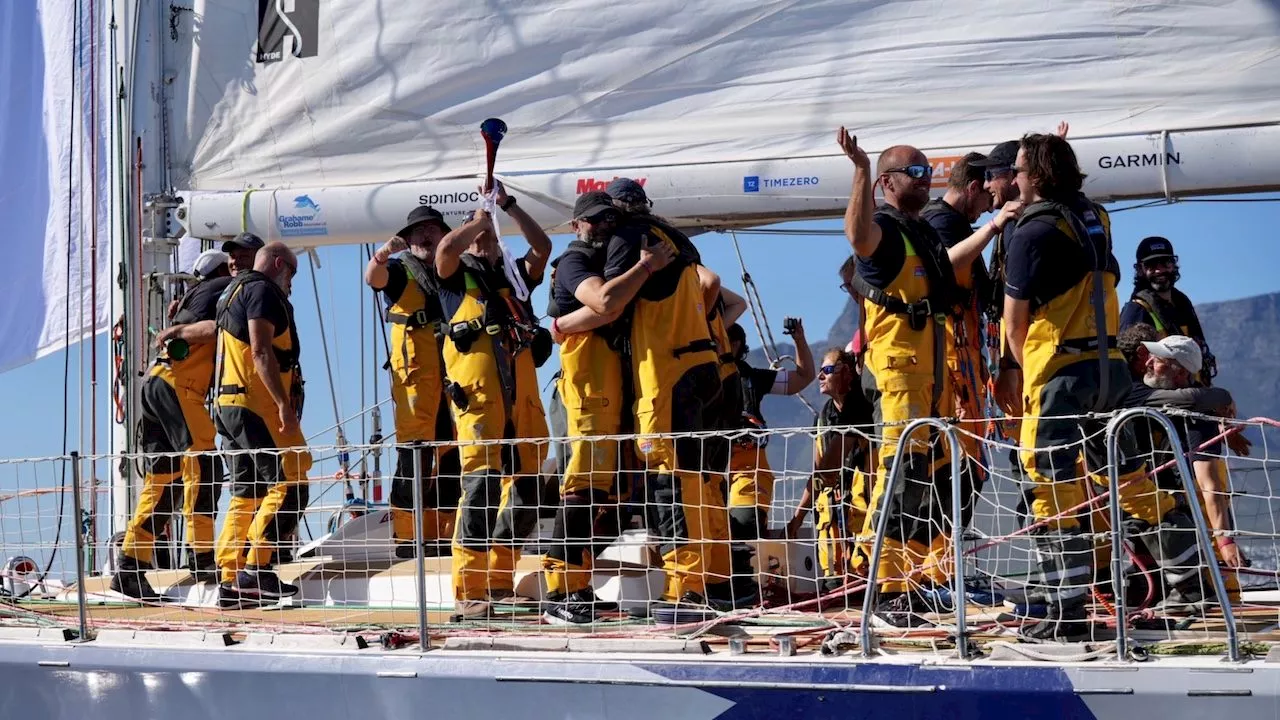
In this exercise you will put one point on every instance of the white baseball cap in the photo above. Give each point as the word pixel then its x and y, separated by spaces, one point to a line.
pixel 1180 349
pixel 207 262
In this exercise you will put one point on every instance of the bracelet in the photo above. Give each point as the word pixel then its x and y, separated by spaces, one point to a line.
pixel 995 229
pixel 645 264
pixel 510 203
pixel 1224 541
pixel 555 326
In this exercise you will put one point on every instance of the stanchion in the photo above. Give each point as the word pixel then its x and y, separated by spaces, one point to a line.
pixel 77 510
pixel 1202 534
pixel 882 526
pixel 420 563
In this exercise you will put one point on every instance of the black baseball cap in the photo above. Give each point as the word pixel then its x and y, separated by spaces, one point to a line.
pixel 1001 156
pixel 1154 247
pixel 246 240
pixel 420 215
pixel 626 190
pixel 592 203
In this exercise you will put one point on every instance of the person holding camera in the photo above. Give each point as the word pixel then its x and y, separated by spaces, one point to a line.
pixel 750 477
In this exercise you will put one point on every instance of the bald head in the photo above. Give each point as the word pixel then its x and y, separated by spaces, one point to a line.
pixel 904 192
pixel 277 261
pixel 899 156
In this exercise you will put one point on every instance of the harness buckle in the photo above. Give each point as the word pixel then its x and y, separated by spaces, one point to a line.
pixel 918 314
pixel 420 318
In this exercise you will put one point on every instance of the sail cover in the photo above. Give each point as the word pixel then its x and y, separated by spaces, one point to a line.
pixel 282 93
pixel 47 187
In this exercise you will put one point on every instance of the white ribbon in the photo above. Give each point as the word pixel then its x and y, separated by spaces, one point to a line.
pixel 509 267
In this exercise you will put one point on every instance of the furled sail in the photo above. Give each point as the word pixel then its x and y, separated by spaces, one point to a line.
pixel 320 95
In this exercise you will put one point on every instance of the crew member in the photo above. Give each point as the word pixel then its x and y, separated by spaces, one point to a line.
pixel 595 399
pixel 838 489
pixel 259 408
pixel 952 217
pixel 174 420
pixel 751 478
pixel 676 379
pixel 904 273
pixel 1060 316
pixel 1169 380
pixel 1157 302
pixel 241 251
pixel 409 287
pixel 493 393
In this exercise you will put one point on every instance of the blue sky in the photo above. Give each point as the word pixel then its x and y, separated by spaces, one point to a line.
pixel 1225 248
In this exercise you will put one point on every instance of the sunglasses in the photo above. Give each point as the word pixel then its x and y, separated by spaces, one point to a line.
pixel 995 172
pixel 1154 263
pixel 828 369
pixel 915 172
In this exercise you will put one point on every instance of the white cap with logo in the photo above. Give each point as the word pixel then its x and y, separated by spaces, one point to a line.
pixel 207 262
pixel 1180 349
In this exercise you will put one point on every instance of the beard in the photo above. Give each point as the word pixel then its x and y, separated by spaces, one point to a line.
pixel 423 252
pixel 1160 282
pixel 1159 382
pixel 913 200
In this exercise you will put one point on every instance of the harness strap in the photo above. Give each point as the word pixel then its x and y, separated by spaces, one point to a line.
pixel 695 346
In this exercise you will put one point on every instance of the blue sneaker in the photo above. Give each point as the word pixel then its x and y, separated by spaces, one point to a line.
pixel 940 595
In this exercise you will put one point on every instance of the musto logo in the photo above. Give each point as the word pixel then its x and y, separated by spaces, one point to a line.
pixel 303 220
pixel 590 184
pixel 756 183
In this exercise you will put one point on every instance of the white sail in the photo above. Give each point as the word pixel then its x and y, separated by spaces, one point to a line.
pixel 49 133
pixel 349 92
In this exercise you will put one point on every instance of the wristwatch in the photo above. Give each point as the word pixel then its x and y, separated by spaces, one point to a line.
pixel 510 203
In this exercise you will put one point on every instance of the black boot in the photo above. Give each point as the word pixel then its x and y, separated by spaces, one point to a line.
pixel 131 580
pixel 203 566
pixel 1065 624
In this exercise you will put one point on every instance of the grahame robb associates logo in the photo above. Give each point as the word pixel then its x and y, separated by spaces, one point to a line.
pixel 298 20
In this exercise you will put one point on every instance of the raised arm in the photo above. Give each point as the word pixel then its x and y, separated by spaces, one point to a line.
pixel 806 370
pixel 864 235
pixel 449 251
pixel 375 271
pixel 734 305
pixel 535 261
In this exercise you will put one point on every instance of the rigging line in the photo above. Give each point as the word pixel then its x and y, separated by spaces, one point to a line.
pixel 752 293
pixel 66 357
pixel 324 343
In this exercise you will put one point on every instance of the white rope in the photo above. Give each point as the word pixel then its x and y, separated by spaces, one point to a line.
pixel 508 262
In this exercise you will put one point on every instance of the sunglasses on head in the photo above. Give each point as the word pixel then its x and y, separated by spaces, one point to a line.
pixel 915 172
pixel 995 172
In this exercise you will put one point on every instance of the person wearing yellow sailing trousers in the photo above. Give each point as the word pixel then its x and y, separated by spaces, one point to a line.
pixel 838 491
pixel 1168 380
pixel 676 379
pixel 750 477
pixel 409 288
pixel 595 401
pixel 259 407
pixel 905 274
pixel 174 420
pixel 493 393
pixel 1061 315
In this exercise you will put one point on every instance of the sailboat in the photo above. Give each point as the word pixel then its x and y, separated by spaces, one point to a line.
pixel 161 128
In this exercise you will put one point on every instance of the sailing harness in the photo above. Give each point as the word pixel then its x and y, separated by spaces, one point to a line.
pixel 430 316
pixel 1087 230
pixel 937 305
pixel 238 327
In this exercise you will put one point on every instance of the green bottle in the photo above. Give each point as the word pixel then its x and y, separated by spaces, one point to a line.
pixel 175 348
